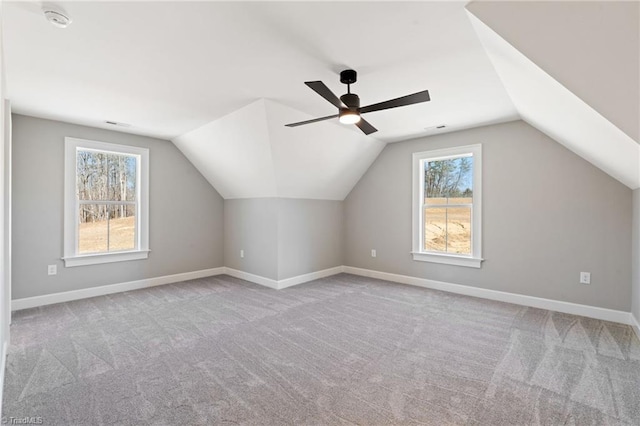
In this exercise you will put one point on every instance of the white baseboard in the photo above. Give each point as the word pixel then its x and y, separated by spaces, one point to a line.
pixel 635 324
pixel 3 366
pixel 257 279
pixel 288 282
pixel 67 296
pixel 300 279
pixel 518 299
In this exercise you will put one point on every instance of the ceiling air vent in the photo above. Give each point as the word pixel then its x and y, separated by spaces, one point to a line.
pixel 115 123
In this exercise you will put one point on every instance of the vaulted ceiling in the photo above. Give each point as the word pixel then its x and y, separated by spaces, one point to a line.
pixel 221 79
pixel 607 74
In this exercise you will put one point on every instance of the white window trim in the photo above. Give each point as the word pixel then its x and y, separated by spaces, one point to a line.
pixel 71 257
pixel 475 259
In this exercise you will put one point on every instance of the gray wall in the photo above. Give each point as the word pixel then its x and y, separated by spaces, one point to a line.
pixel 282 237
pixel 251 225
pixel 635 253
pixel 309 236
pixel 547 215
pixel 186 213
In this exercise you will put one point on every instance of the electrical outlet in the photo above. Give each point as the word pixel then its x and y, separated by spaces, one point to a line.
pixel 52 269
pixel 585 277
pixel 373 253
pixel 242 253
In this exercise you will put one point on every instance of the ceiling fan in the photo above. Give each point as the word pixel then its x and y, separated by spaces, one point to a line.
pixel 349 110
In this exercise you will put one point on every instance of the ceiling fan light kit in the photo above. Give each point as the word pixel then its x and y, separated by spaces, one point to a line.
pixel 349 117
pixel 349 111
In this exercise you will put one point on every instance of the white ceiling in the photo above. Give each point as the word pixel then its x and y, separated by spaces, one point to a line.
pixel 168 68
pixel 592 48
pixel 550 107
pixel 221 79
pixel 249 153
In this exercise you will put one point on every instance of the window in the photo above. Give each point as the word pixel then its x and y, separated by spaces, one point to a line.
pixel 447 206
pixel 106 202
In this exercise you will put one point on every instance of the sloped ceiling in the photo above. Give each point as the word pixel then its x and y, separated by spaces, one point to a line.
pixel 590 47
pixel 549 106
pixel 250 153
pixel 167 68
pixel 221 79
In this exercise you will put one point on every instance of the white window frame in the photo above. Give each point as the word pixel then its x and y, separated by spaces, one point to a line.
pixel 71 256
pixel 474 260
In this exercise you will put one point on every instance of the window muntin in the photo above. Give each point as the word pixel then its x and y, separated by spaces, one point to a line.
pixel 448 204
pixel 446 208
pixel 106 202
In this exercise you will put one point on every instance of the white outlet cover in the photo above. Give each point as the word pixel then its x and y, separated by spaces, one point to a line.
pixel 585 277
pixel 373 253
pixel 52 269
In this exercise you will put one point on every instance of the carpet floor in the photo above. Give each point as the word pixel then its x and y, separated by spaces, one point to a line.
pixel 340 350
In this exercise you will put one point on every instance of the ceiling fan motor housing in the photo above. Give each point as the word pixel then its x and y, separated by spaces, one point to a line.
pixel 351 100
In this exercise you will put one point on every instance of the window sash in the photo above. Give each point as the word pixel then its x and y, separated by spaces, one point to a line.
pixel 423 242
pixel 447 205
pixel 111 233
pixel 421 203
pixel 72 257
pixel 108 203
pixel 109 176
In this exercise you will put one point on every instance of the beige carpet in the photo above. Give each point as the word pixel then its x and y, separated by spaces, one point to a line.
pixel 341 350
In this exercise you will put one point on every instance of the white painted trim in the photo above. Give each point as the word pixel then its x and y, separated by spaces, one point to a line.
pixel 257 279
pixel 71 257
pixel 67 296
pixel 300 279
pixel 448 259
pixel 3 366
pixel 98 258
pixel 8 155
pixel 288 282
pixel 518 299
pixel 473 261
pixel 49 299
pixel 635 324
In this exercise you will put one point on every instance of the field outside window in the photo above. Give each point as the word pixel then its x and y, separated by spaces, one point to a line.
pixel 446 208
pixel 106 202
pixel 448 203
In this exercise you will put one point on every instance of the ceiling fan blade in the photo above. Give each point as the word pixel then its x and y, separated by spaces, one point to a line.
pixel 315 120
pixel 365 126
pixel 415 98
pixel 321 89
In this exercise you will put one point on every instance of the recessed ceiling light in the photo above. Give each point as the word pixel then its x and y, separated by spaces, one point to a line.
pixel 57 17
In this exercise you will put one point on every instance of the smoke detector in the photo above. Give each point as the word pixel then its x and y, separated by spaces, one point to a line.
pixel 57 17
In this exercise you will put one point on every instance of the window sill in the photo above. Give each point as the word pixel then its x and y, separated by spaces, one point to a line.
pixel 94 259
pixel 448 259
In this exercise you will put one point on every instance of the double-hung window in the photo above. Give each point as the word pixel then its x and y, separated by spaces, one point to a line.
pixel 447 209
pixel 106 202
